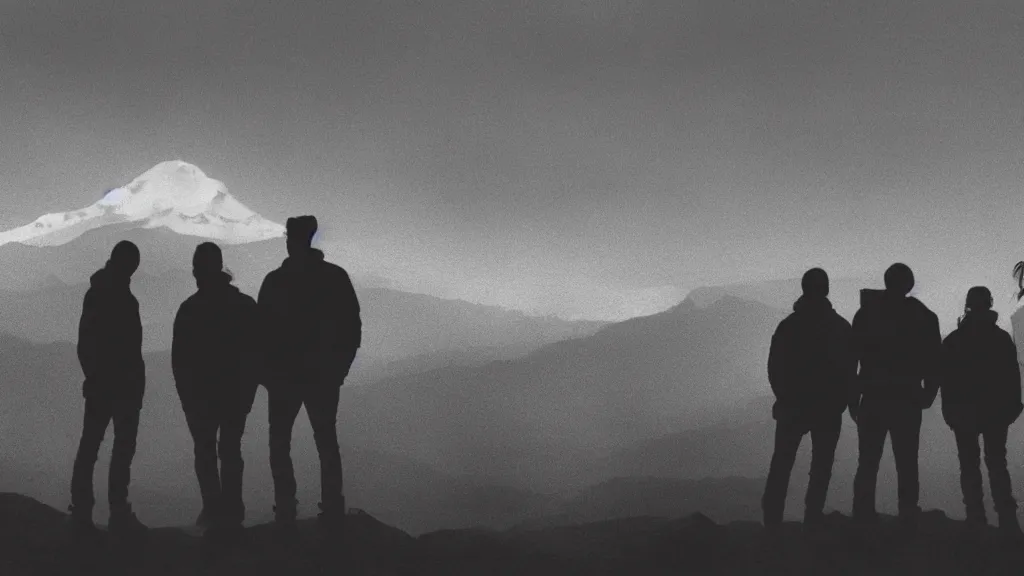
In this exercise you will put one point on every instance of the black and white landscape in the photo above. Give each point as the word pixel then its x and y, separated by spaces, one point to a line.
pixel 572 226
pixel 456 415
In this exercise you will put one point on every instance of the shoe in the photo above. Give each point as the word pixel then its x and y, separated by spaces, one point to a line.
pixel 82 526
pixel 125 523
pixel 331 518
pixel 1009 526
pixel 814 522
pixel 284 515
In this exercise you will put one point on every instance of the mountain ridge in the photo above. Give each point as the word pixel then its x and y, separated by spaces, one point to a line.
pixel 172 194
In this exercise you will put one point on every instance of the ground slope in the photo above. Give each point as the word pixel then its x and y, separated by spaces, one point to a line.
pixel 34 540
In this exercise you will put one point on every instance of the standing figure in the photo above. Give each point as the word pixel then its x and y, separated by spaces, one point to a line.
pixel 897 343
pixel 110 353
pixel 810 368
pixel 214 359
pixel 981 397
pixel 311 312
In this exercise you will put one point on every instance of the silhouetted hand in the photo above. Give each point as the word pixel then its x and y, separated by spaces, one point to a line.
pixel 854 408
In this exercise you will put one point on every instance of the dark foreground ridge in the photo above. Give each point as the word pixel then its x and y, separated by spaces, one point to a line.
pixel 34 539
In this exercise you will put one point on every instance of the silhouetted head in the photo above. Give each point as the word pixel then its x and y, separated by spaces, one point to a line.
pixel 299 231
pixel 899 279
pixel 979 299
pixel 207 261
pixel 815 283
pixel 124 258
pixel 1018 274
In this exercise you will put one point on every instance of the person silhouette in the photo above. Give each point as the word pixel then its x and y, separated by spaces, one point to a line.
pixel 214 359
pixel 311 311
pixel 110 354
pixel 897 344
pixel 1017 318
pixel 981 396
pixel 810 369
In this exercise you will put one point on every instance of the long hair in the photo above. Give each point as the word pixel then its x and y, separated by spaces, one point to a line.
pixel 1018 274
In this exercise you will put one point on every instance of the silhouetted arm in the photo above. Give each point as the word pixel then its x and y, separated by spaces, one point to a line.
pixel 932 361
pixel 848 359
pixel 778 370
pixel 858 335
pixel 88 339
pixel 1011 380
pixel 268 330
pixel 252 360
pixel 182 358
pixel 351 324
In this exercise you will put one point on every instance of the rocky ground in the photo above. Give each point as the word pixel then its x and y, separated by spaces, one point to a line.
pixel 34 539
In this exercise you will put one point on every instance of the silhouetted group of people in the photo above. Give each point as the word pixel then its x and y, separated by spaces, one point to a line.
pixel 885 369
pixel 298 339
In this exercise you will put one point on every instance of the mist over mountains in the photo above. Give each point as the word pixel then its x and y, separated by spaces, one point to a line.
pixel 456 414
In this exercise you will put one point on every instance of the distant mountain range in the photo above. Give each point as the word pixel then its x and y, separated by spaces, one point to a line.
pixel 546 414
pixel 173 207
pixel 402 332
pixel 549 413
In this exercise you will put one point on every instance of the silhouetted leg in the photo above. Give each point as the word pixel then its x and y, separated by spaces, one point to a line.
pixel 204 443
pixel 871 431
pixel 998 475
pixel 824 439
pixel 906 441
pixel 969 454
pixel 787 442
pixel 126 430
pixel 230 449
pixel 94 427
pixel 322 408
pixel 283 407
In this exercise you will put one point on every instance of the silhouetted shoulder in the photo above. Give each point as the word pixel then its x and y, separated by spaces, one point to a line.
pixel 922 310
pixel 188 304
pixel 273 276
pixel 337 273
pixel 840 322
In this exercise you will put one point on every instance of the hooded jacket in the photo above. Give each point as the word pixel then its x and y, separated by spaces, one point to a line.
pixel 981 383
pixel 311 315
pixel 811 363
pixel 898 344
pixel 215 351
pixel 110 340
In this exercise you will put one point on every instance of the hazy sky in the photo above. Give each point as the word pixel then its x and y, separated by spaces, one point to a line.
pixel 584 158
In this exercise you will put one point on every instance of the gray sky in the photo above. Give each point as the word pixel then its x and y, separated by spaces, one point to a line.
pixel 575 157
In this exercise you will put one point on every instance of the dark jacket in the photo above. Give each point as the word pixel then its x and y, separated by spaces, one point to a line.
pixel 898 345
pixel 110 341
pixel 981 383
pixel 811 363
pixel 311 319
pixel 215 351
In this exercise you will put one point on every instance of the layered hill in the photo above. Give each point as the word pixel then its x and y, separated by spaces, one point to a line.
pixel 538 420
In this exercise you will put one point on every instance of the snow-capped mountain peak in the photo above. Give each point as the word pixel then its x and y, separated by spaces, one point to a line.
pixel 174 195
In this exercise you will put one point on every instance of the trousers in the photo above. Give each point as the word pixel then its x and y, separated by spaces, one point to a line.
pixel 321 404
pixel 217 434
pixel 99 412
pixel 903 424
pixel 969 453
pixel 788 435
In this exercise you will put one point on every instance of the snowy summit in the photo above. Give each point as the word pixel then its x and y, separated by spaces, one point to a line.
pixel 174 195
